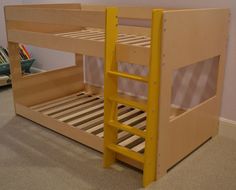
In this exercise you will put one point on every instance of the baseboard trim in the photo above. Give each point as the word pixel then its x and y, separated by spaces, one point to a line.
pixel 227 122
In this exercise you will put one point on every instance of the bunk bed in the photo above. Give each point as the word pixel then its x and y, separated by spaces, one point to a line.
pixel 148 134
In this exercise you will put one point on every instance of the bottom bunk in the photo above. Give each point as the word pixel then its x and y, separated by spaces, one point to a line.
pixel 80 116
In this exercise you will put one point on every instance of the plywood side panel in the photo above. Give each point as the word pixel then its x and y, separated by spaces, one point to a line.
pixel 135 30
pixel 40 27
pixel 190 130
pixel 124 12
pixel 132 54
pixel 42 87
pixel 189 36
pixel 53 6
pixel 72 17
pixel 194 35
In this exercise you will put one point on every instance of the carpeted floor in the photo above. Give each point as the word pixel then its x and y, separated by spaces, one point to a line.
pixel 35 158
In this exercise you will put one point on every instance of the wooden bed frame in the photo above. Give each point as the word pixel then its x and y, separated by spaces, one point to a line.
pixel 60 99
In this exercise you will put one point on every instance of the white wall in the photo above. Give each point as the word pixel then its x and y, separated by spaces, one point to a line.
pixel 3 40
pixel 229 94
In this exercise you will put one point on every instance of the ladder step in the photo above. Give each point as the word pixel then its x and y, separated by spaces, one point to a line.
pixel 127 152
pixel 128 128
pixel 130 103
pixel 129 76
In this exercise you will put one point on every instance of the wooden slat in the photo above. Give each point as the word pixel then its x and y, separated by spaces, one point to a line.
pixel 70 33
pixel 120 112
pixel 60 127
pixel 54 101
pixel 87 117
pixel 63 119
pixel 128 116
pixel 139 147
pixel 92 130
pixel 59 103
pixel 82 34
pixel 92 48
pixel 129 140
pixel 122 135
pixel 91 123
pixel 71 17
pixel 69 105
pixel 75 34
pixel 136 41
pixel 134 119
pixel 143 43
pixel 75 109
pixel 71 132
pixel 126 53
pixel 127 38
pixel 99 127
pixel 123 36
pixel 127 128
pixel 91 36
pixel 97 121
pixel 101 38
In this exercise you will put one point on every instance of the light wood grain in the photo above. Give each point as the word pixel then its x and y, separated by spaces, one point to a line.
pixel 73 17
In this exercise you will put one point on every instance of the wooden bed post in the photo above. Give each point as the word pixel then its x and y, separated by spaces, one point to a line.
pixel 79 61
pixel 15 66
pixel 110 85
pixel 150 159
pixel 14 57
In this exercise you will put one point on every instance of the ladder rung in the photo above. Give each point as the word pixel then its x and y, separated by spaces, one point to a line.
pixel 129 76
pixel 128 128
pixel 130 103
pixel 127 152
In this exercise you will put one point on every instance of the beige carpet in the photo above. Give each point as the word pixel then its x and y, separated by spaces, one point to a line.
pixel 35 158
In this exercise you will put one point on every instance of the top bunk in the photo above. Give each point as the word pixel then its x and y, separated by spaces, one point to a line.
pixel 80 29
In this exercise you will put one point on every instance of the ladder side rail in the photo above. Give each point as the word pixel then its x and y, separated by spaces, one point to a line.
pixel 150 159
pixel 110 84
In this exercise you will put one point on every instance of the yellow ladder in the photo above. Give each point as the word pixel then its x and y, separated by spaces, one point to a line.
pixel 112 99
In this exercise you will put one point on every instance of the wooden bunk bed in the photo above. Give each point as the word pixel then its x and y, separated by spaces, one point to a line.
pixel 147 134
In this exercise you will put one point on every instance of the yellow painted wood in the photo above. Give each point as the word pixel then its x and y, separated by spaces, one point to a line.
pixel 130 103
pixel 127 152
pixel 150 160
pixel 127 128
pixel 129 76
pixel 110 84
pixel 112 98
